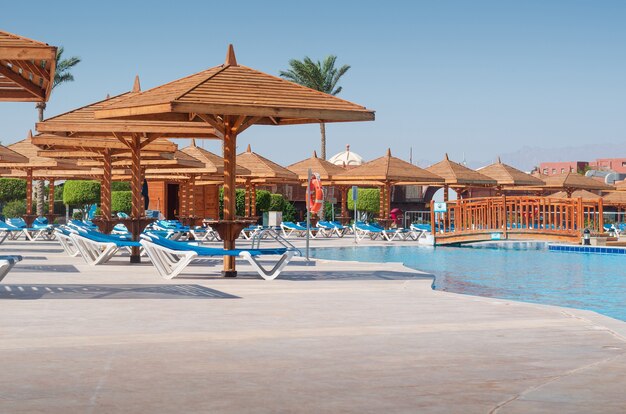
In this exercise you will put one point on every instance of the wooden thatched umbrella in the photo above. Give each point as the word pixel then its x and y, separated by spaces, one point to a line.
pixel 231 98
pixel 36 162
pixel 508 177
pixel 584 194
pixel 9 156
pixel 569 182
pixel 327 171
pixel 26 69
pixel 262 171
pixel 459 176
pixel 384 172
pixel 76 126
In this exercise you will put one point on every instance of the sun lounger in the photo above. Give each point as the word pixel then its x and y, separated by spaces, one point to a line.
pixel 204 234
pixel 249 232
pixel 40 230
pixel 418 231
pixel 289 228
pixel 63 236
pixel 9 231
pixel 171 257
pixel 364 230
pixel 7 263
pixel 330 228
pixel 98 248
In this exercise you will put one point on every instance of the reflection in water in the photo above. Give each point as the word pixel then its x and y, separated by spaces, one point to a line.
pixel 579 280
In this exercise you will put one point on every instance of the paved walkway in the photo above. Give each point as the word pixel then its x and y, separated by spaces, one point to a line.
pixel 334 337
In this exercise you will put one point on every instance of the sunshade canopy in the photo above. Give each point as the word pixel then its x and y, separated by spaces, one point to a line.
pixel 233 89
pixel 326 169
pixel 389 169
pixel 456 174
pixel 8 155
pixel 505 174
pixel 584 194
pixel 570 180
pixel 26 69
pixel 262 168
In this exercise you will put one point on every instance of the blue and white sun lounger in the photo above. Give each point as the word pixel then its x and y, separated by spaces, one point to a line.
pixel 40 230
pixel 63 236
pixel 7 263
pixel 171 257
pixel 98 248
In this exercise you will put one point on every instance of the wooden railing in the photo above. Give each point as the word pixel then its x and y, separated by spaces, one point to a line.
pixel 498 217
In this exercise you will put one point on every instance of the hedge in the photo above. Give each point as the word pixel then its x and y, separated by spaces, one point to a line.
pixel 121 201
pixel 15 208
pixel 120 186
pixel 277 202
pixel 240 202
pixel 81 193
pixel 368 200
pixel 263 200
pixel 12 189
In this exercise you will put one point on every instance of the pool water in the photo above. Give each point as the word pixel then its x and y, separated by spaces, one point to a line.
pixel 589 281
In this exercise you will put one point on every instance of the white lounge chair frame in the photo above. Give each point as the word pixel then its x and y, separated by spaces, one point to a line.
pixel 7 263
pixel 96 252
pixel 68 244
pixel 169 263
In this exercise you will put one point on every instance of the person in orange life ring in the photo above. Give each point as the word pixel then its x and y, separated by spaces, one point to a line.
pixel 316 194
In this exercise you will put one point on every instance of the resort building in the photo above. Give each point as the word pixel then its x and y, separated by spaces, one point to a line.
pixel 555 168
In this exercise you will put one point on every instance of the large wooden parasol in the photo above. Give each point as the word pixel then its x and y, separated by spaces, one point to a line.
pixel 570 182
pixel 508 177
pixel 26 69
pixel 78 128
pixel 231 98
pixel 459 176
pixel 385 172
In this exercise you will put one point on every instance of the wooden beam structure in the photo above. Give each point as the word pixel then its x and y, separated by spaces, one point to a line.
pixel 26 69
pixel 229 99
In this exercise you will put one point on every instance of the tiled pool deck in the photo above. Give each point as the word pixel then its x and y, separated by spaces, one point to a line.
pixel 333 337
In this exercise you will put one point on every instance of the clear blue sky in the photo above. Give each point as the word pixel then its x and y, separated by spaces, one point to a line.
pixel 478 78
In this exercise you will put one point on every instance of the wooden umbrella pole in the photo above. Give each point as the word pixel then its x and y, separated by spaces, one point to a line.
pixel 344 201
pixel 381 204
pixel 230 145
pixel 182 213
pixel 445 193
pixel 191 192
pixel 135 187
pixel 388 200
pixel 253 200
pixel 248 194
pixel 51 200
pixel 29 191
pixel 105 202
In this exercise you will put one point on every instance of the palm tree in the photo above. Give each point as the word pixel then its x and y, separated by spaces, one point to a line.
pixel 321 76
pixel 61 75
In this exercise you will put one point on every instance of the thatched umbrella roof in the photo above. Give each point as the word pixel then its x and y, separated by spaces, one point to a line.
pixel 615 198
pixel 457 175
pixel 389 169
pixel 620 185
pixel 8 155
pixel 26 69
pixel 326 169
pixel 584 194
pixel 212 160
pixel 30 151
pixel 262 169
pixel 570 181
pixel 506 175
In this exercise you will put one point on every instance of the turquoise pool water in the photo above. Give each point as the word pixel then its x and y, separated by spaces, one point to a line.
pixel 533 274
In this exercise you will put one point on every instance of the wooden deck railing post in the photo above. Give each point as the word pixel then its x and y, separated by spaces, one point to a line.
pixel 600 215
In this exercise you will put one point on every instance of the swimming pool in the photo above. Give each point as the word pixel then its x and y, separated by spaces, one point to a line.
pixel 531 274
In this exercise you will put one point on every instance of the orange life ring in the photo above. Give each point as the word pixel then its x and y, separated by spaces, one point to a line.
pixel 316 195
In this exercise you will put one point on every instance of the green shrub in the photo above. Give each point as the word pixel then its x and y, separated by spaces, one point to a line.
pixel 98 212
pixel 12 189
pixel 120 186
pixel 240 202
pixel 289 212
pixel 277 202
pixel 78 215
pixel 81 193
pixel 328 211
pixel 263 200
pixel 15 208
pixel 121 201
pixel 368 200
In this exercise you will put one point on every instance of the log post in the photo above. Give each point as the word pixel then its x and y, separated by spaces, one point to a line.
pixel 105 187
pixel 51 200
pixel 230 146
pixel 135 187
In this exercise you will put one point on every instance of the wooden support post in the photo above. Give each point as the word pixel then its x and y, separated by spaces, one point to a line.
pixel 248 194
pixel 230 146
pixel 388 200
pixel 600 215
pixel 445 193
pixel 51 200
pixel 192 192
pixel 344 201
pixel 29 191
pixel 432 218
pixel 135 187
pixel 182 190
pixel 253 199
pixel 381 204
pixel 105 186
